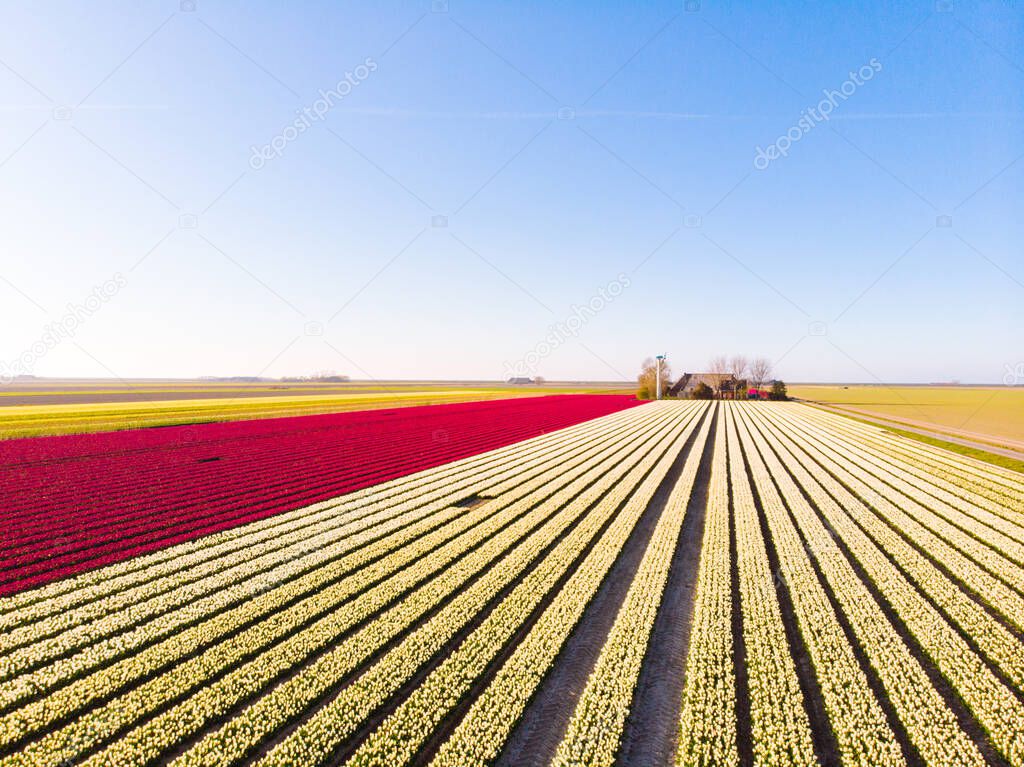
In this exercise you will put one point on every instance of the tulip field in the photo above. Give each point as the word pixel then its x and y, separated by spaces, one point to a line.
pixel 578 580
pixel 74 502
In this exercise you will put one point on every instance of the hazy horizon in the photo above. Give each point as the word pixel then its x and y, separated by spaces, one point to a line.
pixel 453 191
pixel 297 378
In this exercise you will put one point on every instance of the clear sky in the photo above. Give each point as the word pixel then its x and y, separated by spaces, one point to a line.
pixel 486 169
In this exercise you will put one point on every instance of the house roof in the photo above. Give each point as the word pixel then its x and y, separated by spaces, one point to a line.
pixel 711 379
pixel 688 381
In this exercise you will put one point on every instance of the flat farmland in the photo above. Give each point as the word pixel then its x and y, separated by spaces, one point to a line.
pixel 990 414
pixel 49 407
pixel 673 583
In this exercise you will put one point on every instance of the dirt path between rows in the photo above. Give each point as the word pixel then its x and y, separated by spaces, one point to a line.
pixel 535 738
pixel 651 735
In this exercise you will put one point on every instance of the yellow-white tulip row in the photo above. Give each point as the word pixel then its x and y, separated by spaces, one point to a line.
pixel 858 722
pixel 317 737
pixel 991 702
pixel 999 516
pixel 963 492
pixel 930 725
pixel 292 697
pixel 480 735
pixel 402 734
pixel 983 525
pixel 708 718
pixel 921 507
pixel 998 643
pixel 318 558
pixel 595 730
pixel 987 526
pixel 175 723
pixel 969 484
pixel 998 478
pixel 780 729
pixel 979 488
pixel 134 580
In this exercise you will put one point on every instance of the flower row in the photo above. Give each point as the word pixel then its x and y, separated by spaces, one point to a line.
pixel 229 546
pixel 319 735
pixel 934 459
pixel 930 725
pixel 398 739
pixel 262 641
pixel 708 718
pixel 858 722
pixel 975 523
pixel 957 474
pixel 920 513
pixel 595 729
pixel 881 518
pixel 180 604
pixel 991 702
pixel 780 728
pixel 78 502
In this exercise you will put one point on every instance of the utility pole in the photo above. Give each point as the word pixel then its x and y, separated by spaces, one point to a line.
pixel 660 358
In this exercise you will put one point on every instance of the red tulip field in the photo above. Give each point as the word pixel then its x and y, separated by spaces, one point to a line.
pixel 74 502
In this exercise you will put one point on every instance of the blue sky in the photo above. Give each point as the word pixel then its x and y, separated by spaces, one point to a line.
pixel 572 148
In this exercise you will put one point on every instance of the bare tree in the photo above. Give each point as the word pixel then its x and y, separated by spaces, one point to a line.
pixel 738 366
pixel 760 371
pixel 719 366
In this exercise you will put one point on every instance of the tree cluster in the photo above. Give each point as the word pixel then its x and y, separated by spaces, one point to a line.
pixel 746 375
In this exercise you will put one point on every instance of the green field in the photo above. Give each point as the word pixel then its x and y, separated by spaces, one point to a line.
pixel 993 415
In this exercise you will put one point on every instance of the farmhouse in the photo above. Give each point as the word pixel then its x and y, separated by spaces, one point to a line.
pixel 719 382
